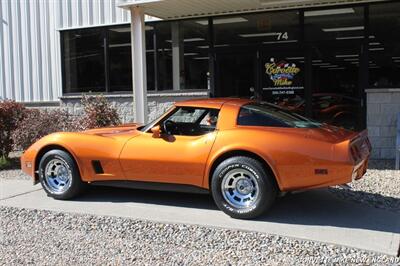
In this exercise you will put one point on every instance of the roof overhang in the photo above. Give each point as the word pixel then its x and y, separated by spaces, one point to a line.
pixel 179 9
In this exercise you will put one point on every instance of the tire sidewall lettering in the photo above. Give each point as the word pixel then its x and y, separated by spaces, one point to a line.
pixel 220 177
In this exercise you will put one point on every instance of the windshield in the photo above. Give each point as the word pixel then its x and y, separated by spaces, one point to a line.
pixel 153 122
pixel 266 114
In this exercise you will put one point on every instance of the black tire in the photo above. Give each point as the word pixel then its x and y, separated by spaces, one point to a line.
pixel 266 183
pixel 75 186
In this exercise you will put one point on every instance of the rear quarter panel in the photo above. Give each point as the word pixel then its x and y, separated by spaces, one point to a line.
pixel 290 152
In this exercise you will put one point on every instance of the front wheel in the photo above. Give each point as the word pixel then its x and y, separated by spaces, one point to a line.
pixel 59 175
pixel 242 188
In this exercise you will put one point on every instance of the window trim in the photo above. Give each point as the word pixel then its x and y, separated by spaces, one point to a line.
pixel 147 128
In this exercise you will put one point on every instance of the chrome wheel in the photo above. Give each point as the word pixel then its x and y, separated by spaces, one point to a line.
pixel 57 176
pixel 240 188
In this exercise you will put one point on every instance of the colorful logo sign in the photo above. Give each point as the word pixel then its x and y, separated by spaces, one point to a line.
pixel 281 73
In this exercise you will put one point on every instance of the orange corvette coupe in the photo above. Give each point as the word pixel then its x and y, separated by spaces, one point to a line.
pixel 244 152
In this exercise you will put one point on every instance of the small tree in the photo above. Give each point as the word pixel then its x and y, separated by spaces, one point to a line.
pixel 11 113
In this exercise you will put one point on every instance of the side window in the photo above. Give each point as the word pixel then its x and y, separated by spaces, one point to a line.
pixel 189 121
pixel 209 121
pixel 253 117
pixel 187 115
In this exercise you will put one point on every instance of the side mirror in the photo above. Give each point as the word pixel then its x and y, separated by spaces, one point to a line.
pixel 156 131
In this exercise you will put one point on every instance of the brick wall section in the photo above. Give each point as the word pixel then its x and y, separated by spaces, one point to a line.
pixel 383 105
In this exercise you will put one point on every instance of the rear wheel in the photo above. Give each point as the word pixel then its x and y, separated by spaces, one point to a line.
pixel 242 188
pixel 59 175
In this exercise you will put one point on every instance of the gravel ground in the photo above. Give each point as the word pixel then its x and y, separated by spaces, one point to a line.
pixel 14 174
pixel 53 238
pixel 378 188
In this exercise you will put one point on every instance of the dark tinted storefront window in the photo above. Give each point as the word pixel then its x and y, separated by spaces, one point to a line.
pixel 150 58
pixel 266 28
pixel 181 55
pixel 335 37
pixel 384 48
pixel 266 56
pixel 163 54
pixel 256 56
pixel 195 44
pixel 92 54
pixel 120 66
pixel 83 61
pixel 339 24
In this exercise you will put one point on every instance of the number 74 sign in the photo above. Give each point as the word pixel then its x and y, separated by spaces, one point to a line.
pixel 282 36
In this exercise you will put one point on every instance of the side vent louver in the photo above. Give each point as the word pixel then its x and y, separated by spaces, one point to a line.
pixel 98 169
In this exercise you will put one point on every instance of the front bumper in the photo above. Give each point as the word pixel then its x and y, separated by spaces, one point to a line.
pixel 28 164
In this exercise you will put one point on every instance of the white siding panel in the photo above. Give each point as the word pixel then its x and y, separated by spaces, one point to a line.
pixel 14 41
pixel 26 48
pixel 96 12
pixel 8 51
pixel 85 12
pixel 55 62
pixel 2 61
pixel 75 10
pixel 30 47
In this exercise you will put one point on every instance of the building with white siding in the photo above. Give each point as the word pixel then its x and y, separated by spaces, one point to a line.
pixel 30 41
pixel 336 61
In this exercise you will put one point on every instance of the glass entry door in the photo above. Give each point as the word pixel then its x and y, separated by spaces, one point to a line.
pixel 236 74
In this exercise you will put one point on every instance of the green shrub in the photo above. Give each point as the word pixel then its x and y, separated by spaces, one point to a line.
pixel 11 113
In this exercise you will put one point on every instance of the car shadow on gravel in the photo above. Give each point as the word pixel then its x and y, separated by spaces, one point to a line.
pixel 315 207
pixel 110 194
pixel 322 207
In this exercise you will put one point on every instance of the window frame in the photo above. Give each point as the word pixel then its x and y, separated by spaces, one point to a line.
pixel 147 128
pixel 301 118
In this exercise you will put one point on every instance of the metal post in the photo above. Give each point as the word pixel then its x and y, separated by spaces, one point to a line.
pixel 139 64
pixel 211 56
pixel 177 56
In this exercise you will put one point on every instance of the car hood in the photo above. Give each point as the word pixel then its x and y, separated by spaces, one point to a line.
pixel 113 131
pixel 330 133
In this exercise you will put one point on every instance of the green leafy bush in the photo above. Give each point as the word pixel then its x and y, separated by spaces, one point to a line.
pixel 11 113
